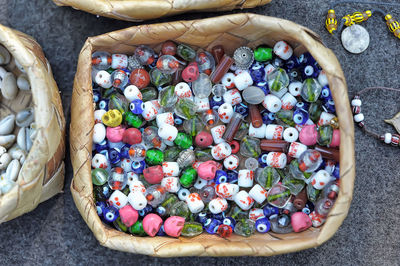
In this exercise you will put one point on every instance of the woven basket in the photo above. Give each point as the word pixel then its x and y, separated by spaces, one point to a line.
pixel 42 174
pixel 232 31
pixel 139 10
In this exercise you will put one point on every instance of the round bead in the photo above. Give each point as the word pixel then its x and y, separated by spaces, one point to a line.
pixel 183 193
pixel 99 133
pixel 227 80
pixel 132 93
pixel 388 138
pixel 204 139
pixel 290 134
pixel 231 162
pixel 140 78
pixel 283 50
pixel 295 88
pixel 221 151
pixel 359 117
pixel 225 112
pixel 320 179
pixel 356 102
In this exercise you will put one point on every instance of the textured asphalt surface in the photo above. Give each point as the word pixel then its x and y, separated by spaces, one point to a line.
pixel 55 233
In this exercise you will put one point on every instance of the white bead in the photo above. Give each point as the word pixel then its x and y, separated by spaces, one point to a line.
pixel 103 79
pixel 119 61
pixel 168 132
pixel 322 78
pixel 98 114
pixel 203 104
pixel 256 213
pixel 137 186
pixel 171 184
pixel 137 200
pixel 325 118
pixel 356 102
pixel 218 205
pixel 226 190
pixel 243 200
pixel 274 131
pixel 225 112
pixel 243 80
pixel 283 50
pixel 99 133
pixel 165 118
pixel 200 183
pixel 359 117
pixel 231 162
pixel 183 193
pixel 227 80
pixel 257 132
pixel 320 179
pixel 150 111
pixel 170 168
pixel 276 159
pixel 280 93
pixel 296 149
pixel 232 97
pixel 245 178
pixel 388 138
pixel 126 164
pixel 258 193
pixel 295 88
pixel 99 161
pixel 182 90
pixel 221 151
pixel 132 93
pixel 290 134
pixel 195 203
pixel 272 103
pixel 288 101
pixel 118 199
pixel 217 133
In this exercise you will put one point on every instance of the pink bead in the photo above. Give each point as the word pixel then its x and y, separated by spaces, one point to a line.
pixel 128 215
pixel 152 224
pixel 132 136
pixel 173 226
pixel 300 222
pixel 153 174
pixel 191 72
pixel 115 134
pixel 207 170
pixel 203 139
pixel 335 138
pixel 308 135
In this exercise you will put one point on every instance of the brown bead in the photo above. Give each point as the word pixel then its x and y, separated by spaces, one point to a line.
pixel 218 52
pixel 275 145
pixel 300 200
pixel 329 153
pixel 168 48
pixel 255 116
pixel 221 69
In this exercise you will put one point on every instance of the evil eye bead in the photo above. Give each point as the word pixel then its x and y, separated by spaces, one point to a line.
pixel 300 116
pixel 101 146
pixel 263 225
pixel 326 94
pixel 233 176
pixel 146 210
pixel 268 118
pixel 110 214
pixel 216 102
pixel 124 152
pixel 96 96
pixel 229 221
pixel 202 217
pixel 270 210
pixel 211 225
pixel 264 86
pixel 294 74
pixel 100 207
pixel 136 106
pixel 138 167
pixel 220 177
pixel 103 104
pixel 241 109
pixel 114 156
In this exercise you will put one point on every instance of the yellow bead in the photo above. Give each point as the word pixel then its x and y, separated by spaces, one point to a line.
pixel 334 122
pixel 112 118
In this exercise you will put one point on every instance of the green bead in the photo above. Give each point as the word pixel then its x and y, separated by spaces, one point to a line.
pixel 186 52
pixel 203 154
pixel 119 102
pixel 110 70
pixel 312 193
pixel 267 177
pixel 126 190
pixel 171 154
pixel 183 140
pixel 315 111
pixel 149 94
pixel 137 229
pixel 278 80
pixel 245 227
pixel 185 108
pixel 237 213
pixel 120 225
pixel 286 116
pixel 169 201
pixel 262 54
pixel 158 78
pixel 167 97
pixel 99 176
pixel 310 90
pixel 192 229
pixel 188 177
pixel 133 120
pixel 250 147
pixel 181 209
pixel 193 126
pixel 294 185
pixel 325 135
pixel 274 197
pixel 154 157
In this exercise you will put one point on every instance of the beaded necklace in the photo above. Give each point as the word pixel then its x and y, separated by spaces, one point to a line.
pixel 388 138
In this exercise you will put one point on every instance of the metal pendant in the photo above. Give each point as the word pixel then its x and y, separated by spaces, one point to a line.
pixel 395 121
pixel 355 39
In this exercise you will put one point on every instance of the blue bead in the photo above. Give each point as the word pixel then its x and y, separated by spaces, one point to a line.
pixel 161 232
pixel 220 177
pixel 103 104
pixel 211 225
pixel 294 74
pixel 263 225
pixel 146 210
pixel 230 221
pixel 310 71
pixel 262 160
pixel 257 72
pixel 309 208
pixel 268 118
pixel 330 106
pixel 110 214
pixel 306 58
pixel 300 116
pixel 326 94
pixel 270 210
pixel 124 152
pixel 264 86
pixel 178 120
pixel 202 217
pixel 161 211
pixel 101 146
pixel 277 62
pixel 114 156
pixel 232 176
pixel 96 96
pixel 136 106
pixel 336 171
pixel 100 206
pixel 219 216
pixel 292 62
pixel 303 105
pixel 216 102
pixel 138 167
pixel 242 109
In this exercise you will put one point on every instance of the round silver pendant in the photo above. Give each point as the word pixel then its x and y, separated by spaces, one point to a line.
pixel 355 39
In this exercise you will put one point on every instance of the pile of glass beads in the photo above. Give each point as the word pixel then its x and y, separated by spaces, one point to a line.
pixel 188 141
